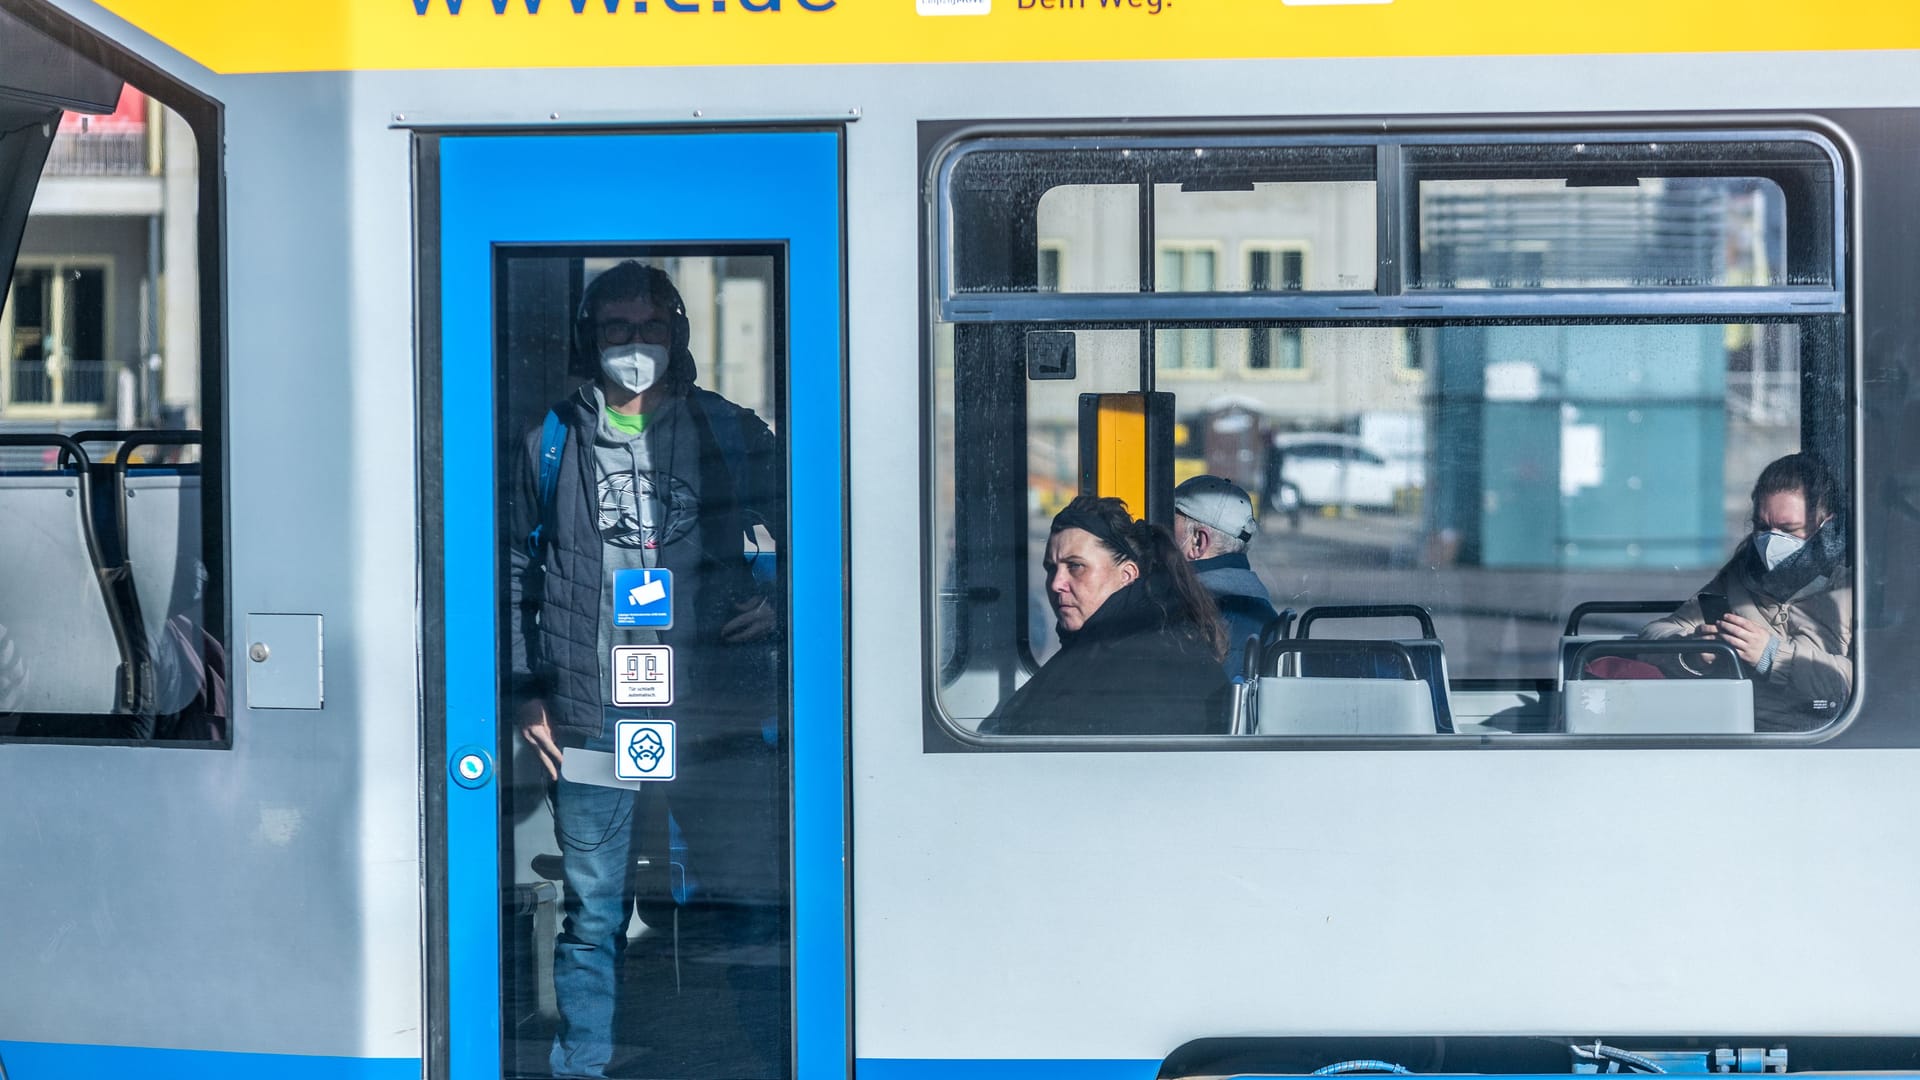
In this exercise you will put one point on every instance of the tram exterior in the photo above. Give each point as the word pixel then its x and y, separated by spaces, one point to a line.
pixel 400 206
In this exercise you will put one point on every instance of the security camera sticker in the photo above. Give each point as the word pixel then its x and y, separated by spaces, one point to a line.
pixel 643 598
pixel 642 674
pixel 644 750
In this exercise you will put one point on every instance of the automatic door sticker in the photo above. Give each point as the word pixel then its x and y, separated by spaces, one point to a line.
pixel 643 598
pixel 645 750
pixel 642 674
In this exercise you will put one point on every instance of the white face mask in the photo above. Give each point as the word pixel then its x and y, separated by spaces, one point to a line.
pixel 634 367
pixel 1775 547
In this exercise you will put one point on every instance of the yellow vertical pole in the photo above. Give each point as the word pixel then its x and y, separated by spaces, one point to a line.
pixel 1122 448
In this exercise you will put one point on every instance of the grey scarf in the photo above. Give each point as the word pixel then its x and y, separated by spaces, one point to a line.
pixel 1824 551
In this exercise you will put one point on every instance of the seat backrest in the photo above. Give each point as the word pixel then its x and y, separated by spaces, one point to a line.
pixel 1428 655
pixel 1297 705
pixel 50 599
pixel 1659 707
pixel 1720 704
pixel 1387 697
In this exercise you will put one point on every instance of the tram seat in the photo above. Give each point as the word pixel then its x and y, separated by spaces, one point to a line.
pixel 1428 655
pixel 1571 639
pixel 1719 704
pixel 1257 646
pixel 55 616
pixel 162 515
pixel 1369 704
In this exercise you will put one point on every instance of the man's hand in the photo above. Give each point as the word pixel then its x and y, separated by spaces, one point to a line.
pixel 538 731
pixel 755 621
pixel 1748 638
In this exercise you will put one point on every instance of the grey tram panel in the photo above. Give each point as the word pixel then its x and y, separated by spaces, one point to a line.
pixel 283 660
pixel 55 616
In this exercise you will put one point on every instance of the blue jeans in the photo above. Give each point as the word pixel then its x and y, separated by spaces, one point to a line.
pixel 594 826
pixel 723 803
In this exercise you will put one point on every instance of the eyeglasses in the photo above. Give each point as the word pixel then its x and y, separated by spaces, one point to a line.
pixel 651 332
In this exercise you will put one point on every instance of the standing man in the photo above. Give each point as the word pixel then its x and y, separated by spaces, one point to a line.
pixel 1213 522
pixel 650 473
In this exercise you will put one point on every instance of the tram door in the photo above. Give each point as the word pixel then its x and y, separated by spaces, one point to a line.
pixel 637 821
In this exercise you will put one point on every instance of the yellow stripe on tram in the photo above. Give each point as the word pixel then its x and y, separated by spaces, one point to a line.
pixel 346 35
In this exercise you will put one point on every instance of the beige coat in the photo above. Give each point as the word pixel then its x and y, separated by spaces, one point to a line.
pixel 1812 671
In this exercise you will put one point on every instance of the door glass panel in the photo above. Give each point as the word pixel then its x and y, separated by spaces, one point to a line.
pixel 645 890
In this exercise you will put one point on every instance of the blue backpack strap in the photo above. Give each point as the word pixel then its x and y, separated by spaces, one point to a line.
pixel 553 441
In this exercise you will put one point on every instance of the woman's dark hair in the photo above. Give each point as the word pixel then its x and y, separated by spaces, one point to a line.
pixel 632 280
pixel 1186 605
pixel 1805 474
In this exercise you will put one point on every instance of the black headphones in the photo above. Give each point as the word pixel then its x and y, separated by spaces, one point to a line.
pixel 624 281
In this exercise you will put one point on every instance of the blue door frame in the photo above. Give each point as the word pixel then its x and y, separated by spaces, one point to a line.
pixel 778 187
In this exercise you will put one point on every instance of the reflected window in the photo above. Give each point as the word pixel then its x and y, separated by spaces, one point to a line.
pixel 1190 267
pixel 1272 269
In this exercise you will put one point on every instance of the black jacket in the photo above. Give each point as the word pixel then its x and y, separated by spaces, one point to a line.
pixel 1244 605
pixel 1130 670
pixel 554 606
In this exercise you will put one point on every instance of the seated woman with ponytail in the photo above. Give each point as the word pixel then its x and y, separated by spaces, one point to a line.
pixel 1140 639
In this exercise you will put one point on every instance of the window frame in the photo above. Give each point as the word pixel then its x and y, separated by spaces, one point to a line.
pixel 1392 301
pixel 205 118
pixel 1397 237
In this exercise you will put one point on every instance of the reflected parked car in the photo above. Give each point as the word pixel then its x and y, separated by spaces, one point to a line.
pixel 1333 469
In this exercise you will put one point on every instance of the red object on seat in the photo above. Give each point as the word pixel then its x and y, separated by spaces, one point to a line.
pixel 1621 667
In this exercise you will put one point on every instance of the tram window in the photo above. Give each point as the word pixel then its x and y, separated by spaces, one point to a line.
pixel 1091 205
pixel 1496 472
pixel 1088 239
pixel 1276 224
pixel 112 618
pixel 1619 215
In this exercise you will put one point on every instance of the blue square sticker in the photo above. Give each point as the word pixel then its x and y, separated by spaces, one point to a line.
pixel 643 598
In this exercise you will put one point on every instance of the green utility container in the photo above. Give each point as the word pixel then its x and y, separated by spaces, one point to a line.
pixel 1581 446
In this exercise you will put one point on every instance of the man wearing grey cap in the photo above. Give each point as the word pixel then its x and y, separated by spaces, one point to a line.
pixel 1213 522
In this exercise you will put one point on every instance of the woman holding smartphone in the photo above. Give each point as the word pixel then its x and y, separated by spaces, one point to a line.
pixel 1784 602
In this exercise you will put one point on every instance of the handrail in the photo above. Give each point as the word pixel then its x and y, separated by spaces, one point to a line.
pixel 1676 647
pixel 1618 607
pixel 1369 611
pixel 1339 646
pixel 131 438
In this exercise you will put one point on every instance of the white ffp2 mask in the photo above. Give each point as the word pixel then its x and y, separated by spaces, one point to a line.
pixel 634 367
pixel 1775 547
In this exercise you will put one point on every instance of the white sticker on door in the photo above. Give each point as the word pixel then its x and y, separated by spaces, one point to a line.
pixel 642 674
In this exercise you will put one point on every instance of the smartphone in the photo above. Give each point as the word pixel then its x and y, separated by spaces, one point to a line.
pixel 1713 607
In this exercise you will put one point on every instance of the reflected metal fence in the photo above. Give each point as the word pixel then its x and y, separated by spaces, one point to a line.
pixel 43 382
pixel 99 153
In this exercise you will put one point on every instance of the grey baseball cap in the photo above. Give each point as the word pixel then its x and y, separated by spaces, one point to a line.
pixel 1217 502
